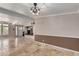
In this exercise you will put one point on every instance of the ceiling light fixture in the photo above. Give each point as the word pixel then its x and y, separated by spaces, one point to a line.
pixel 35 10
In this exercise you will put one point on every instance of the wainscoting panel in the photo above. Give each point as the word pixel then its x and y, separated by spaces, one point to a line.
pixel 65 42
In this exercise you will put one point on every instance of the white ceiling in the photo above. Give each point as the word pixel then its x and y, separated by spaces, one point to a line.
pixel 45 8
pixel 54 8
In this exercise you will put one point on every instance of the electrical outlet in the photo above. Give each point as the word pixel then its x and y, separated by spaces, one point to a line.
pixel 42 40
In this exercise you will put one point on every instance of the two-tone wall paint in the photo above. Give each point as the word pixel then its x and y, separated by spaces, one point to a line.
pixel 62 30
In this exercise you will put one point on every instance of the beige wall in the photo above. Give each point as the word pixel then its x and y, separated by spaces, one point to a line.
pixel 62 25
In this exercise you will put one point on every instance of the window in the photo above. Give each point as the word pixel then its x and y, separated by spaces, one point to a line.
pixel 0 29
pixel 5 29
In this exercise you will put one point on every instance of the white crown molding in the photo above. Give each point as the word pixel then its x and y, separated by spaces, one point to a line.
pixel 60 14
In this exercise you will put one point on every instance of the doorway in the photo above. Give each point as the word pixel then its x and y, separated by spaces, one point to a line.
pixel 29 30
pixel 19 30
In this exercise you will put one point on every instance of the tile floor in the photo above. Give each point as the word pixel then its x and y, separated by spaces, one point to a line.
pixel 27 47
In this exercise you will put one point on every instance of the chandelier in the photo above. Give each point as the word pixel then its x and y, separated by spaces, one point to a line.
pixel 35 10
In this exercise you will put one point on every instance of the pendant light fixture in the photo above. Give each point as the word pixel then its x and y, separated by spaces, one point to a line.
pixel 35 10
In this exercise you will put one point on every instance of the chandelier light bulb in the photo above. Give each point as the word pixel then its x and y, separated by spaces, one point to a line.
pixel 35 10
